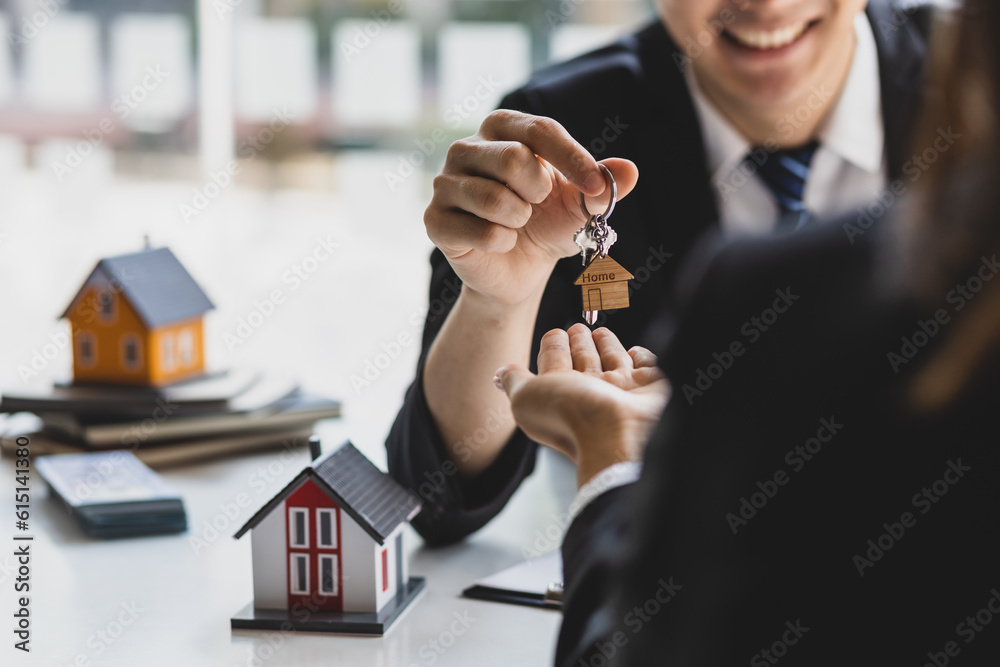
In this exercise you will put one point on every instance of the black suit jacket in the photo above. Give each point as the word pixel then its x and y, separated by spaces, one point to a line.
pixel 793 508
pixel 628 100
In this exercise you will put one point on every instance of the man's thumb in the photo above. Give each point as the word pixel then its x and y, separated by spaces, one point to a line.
pixel 626 175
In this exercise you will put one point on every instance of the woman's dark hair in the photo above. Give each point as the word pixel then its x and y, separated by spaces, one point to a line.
pixel 953 220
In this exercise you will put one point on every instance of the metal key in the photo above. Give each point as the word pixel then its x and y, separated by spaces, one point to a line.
pixel 596 237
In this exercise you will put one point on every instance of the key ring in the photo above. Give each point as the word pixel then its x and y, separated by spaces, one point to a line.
pixel 611 204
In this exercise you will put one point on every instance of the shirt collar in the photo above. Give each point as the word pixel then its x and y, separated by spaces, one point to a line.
pixel 853 131
pixel 725 147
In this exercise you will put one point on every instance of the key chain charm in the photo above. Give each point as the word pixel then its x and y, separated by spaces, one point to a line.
pixel 604 282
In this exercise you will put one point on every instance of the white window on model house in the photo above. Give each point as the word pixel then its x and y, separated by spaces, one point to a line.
pixel 298 527
pixel 86 348
pixel 185 348
pixel 328 574
pixel 326 528
pixel 298 571
pixel 167 352
pixel 130 352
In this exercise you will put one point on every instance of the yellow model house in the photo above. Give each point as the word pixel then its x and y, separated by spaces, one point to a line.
pixel 138 320
pixel 604 284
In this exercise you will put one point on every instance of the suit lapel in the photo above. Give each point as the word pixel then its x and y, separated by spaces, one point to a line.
pixel 901 54
pixel 678 182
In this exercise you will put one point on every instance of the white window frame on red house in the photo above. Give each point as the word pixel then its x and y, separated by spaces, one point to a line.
pixel 295 560
pixel 292 512
pixel 333 568
pixel 332 513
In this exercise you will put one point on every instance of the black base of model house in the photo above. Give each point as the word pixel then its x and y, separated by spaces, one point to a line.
pixel 345 623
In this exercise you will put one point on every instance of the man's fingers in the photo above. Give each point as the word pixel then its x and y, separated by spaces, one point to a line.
pixel 581 346
pixel 455 232
pixel 511 378
pixel 549 140
pixel 642 358
pixel 483 198
pixel 554 353
pixel 613 355
pixel 509 162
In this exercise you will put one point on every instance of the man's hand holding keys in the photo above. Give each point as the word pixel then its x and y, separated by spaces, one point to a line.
pixel 506 204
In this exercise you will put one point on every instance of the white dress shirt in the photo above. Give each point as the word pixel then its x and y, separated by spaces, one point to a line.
pixel 848 169
pixel 619 474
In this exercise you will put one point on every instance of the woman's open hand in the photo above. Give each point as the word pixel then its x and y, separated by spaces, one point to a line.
pixel 591 400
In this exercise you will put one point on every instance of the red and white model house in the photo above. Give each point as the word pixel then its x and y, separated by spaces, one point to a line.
pixel 328 552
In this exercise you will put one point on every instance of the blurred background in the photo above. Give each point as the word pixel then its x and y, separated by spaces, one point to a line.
pixel 283 149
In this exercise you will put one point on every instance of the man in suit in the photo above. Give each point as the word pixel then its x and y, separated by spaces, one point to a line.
pixel 744 115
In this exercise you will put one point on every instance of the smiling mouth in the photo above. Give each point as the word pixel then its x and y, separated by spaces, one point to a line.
pixel 768 40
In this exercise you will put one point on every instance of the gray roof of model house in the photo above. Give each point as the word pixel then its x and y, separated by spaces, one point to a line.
pixel 156 284
pixel 374 500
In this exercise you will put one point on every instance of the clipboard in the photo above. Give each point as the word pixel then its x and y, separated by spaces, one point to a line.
pixel 535 583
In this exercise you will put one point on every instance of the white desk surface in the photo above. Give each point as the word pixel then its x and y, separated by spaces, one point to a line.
pixel 325 331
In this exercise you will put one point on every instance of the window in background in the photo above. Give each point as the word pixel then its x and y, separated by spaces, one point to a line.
pixel 276 69
pixel 369 75
pixel 151 70
pixel 62 65
pixel 6 64
pixel 477 64
pixel 569 41
pixel 376 82
pixel 115 76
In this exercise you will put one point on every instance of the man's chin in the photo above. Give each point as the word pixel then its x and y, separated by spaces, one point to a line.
pixel 770 95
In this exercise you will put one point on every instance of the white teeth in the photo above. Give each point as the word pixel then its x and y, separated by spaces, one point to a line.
pixel 764 40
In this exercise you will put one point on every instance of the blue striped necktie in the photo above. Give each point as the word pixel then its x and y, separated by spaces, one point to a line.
pixel 785 173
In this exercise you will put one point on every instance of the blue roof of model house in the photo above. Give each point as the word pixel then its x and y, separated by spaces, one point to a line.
pixel 156 284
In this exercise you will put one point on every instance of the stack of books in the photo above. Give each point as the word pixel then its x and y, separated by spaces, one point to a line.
pixel 214 415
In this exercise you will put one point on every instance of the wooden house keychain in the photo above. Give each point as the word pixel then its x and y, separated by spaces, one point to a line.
pixel 604 282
